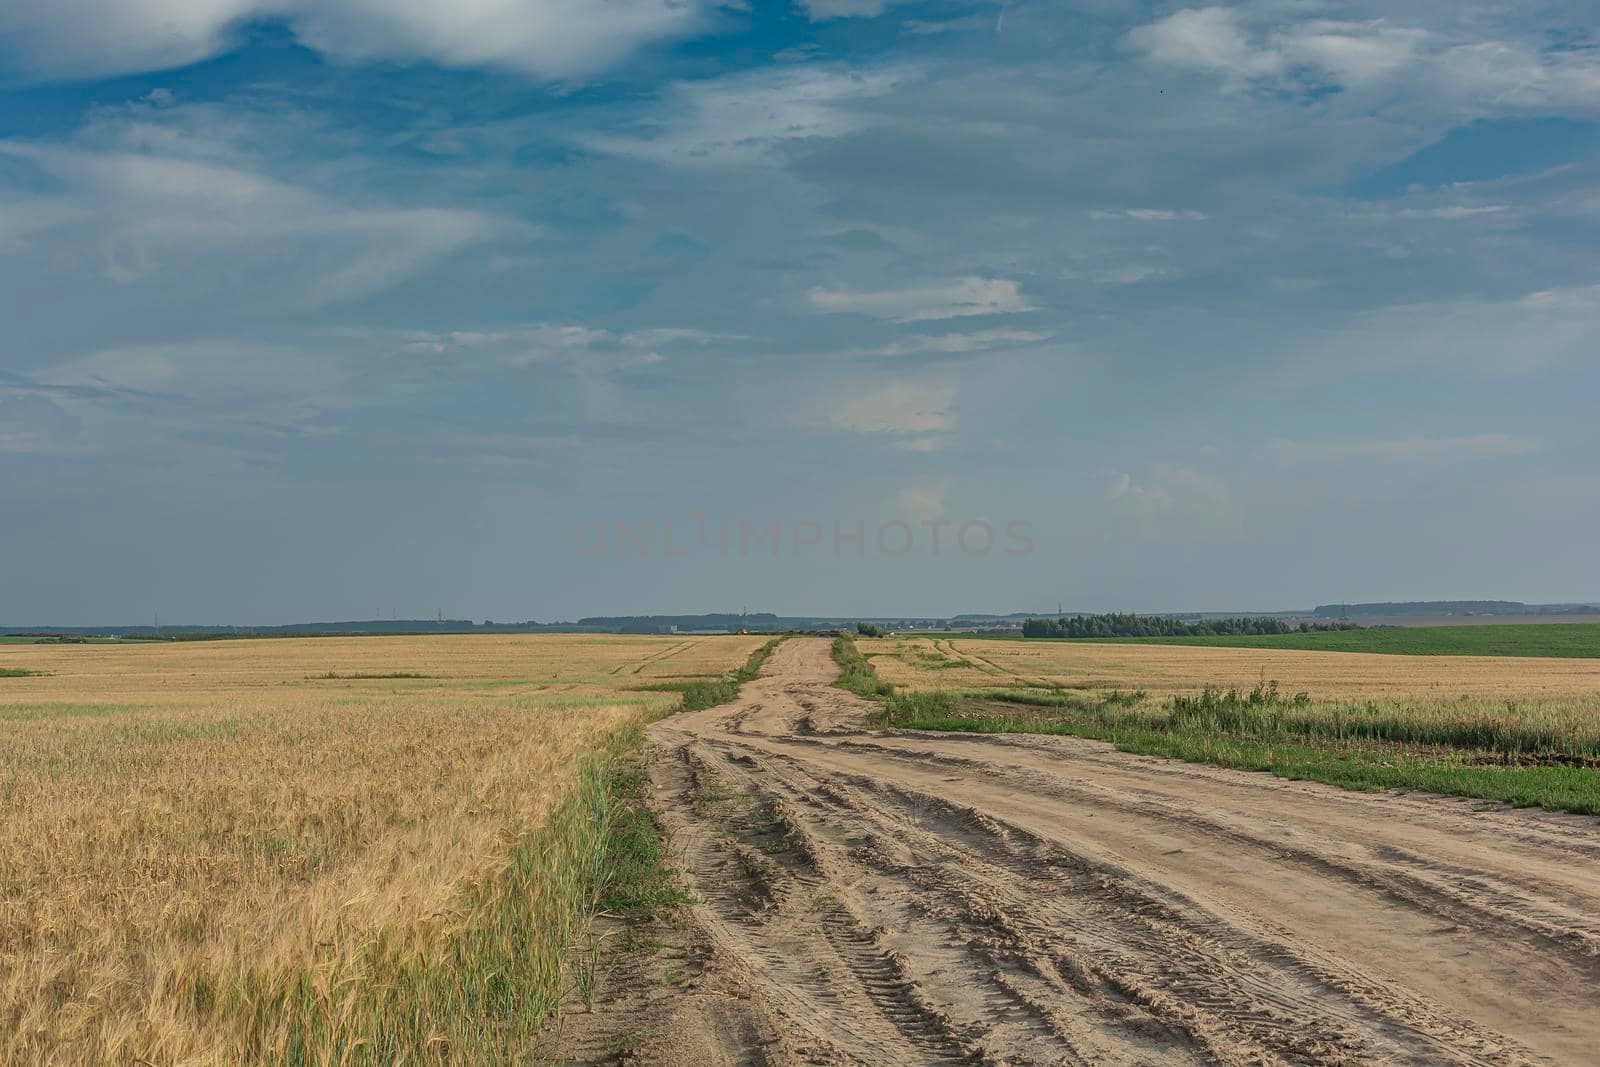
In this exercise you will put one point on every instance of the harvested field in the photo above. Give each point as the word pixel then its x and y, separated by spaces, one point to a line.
pixel 304 850
pixel 945 663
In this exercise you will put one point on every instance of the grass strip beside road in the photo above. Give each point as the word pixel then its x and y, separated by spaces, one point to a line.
pixel 1524 756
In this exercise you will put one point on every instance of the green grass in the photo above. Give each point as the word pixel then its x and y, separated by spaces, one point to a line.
pixel 35 712
pixel 18 672
pixel 1548 640
pixel 639 884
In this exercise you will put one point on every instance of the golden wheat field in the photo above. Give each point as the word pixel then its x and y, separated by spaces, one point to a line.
pixel 952 663
pixel 252 850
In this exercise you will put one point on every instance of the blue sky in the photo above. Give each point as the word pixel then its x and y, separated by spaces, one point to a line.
pixel 383 307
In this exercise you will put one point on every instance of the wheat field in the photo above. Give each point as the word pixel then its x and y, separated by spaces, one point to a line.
pixel 310 850
pixel 929 663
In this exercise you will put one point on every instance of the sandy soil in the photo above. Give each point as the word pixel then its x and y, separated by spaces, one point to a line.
pixel 921 898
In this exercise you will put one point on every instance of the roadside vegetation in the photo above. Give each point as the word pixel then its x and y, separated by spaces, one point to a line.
pixel 1539 751
pixel 214 857
pixel 857 675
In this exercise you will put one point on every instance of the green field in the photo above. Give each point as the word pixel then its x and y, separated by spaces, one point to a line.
pixel 1552 640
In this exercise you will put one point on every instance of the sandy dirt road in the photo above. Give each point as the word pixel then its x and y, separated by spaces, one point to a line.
pixel 924 898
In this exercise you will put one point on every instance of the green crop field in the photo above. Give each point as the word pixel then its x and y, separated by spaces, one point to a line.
pixel 1557 641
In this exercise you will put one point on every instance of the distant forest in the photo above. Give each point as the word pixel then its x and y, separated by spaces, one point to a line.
pixel 1115 625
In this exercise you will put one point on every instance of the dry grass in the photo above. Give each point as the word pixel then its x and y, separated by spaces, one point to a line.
pixel 940 663
pixel 213 853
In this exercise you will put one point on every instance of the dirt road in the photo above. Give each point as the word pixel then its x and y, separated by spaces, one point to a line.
pixel 929 898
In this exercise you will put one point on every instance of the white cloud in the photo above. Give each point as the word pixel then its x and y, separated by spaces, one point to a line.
pixel 1148 214
pixel 1174 502
pixel 1455 212
pixel 525 345
pixel 1407 449
pixel 1352 52
pixel 960 24
pixel 1512 74
pixel 124 398
pixel 823 10
pixel 923 445
pixel 1494 337
pixel 1208 38
pixel 903 406
pixel 217 371
pixel 1580 299
pixel 739 119
pixel 22 218
pixel 138 218
pixel 1247 47
pixel 1216 39
pixel 923 502
pixel 1122 274
pixel 968 296
pixel 545 38
pixel 958 343
pixel 30 423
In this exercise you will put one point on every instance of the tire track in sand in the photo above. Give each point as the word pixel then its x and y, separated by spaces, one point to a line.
pixel 892 898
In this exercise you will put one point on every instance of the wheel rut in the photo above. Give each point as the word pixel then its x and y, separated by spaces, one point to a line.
pixel 925 899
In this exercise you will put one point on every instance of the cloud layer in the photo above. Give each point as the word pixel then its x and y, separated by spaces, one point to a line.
pixel 545 38
pixel 958 299
pixel 1241 305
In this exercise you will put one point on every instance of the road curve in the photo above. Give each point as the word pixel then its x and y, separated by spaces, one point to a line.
pixel 921 898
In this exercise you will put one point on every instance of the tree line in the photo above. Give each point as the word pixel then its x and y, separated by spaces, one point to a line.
pixel 1127 625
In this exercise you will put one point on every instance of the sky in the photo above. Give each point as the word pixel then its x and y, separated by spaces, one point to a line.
pixel 534 309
